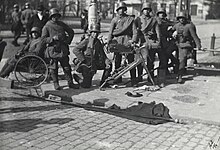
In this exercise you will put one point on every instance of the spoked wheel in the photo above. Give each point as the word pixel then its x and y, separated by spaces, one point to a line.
pixel 31 71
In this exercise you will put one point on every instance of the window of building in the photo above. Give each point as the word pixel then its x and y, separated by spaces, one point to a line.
pixel 194 9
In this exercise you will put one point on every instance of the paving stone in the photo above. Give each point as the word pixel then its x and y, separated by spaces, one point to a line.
pixel 187 148
pixel 45 144
pixel 191 144
pixel 63 142
pixel 52 147
pixel 92 130
pixel 161 147
pixel 196 140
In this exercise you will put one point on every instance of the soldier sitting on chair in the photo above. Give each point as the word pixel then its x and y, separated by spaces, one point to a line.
pixel 33 47
pixel 91 57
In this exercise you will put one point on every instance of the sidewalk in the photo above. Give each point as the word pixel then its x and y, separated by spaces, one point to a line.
pixel 196 100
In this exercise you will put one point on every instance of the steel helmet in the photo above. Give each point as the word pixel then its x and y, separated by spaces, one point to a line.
pixel 16 6
pixel 27 4
pixel 121 5
pixel 181 15
pixel 54 11
pixel 36 29
pixel 162 10
pixel 146 6
pixel 94 28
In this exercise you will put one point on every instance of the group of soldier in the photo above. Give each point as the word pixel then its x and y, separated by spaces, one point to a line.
pixel 50 40
pixel 157 34
pixel 26 19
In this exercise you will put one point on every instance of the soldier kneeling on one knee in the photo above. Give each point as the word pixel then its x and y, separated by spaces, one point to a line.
pixel 91 57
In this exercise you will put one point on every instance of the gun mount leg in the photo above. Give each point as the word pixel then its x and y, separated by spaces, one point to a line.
pixel 146 69
pixel 126 69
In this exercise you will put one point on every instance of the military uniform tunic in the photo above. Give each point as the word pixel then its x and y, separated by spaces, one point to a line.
pixel 123 29
pixel 186 34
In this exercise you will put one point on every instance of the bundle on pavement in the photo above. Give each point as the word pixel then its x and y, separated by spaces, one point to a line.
pixel 150 113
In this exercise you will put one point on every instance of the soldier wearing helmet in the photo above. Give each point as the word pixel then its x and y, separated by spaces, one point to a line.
pixel 185 37
pixel 25 18
pixel 124 32
pixel 167 43
pixel 91 57
pixel 35 47
pixel 59 36
pixel 150 33
pixel 16 24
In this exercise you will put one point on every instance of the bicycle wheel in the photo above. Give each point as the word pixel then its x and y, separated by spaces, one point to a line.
pixel 31 71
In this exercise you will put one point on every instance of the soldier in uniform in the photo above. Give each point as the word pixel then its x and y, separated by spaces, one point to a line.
pixel 91 57
pixel 59 36
pixel 33 47
pixel 167 42
pixel 25 18
pixel 16 24
pixel 150 31
pixel 185 35
pixel 124 31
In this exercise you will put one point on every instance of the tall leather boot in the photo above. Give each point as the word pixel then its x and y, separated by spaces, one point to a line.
pixel 105 75
pixel 133 77
pixel 161 77
pixel 140 72
pixel 6 70
pixel 54 76
pixel 87 78
pixel 69 78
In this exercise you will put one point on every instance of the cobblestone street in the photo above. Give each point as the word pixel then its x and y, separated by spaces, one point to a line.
pixel 32 124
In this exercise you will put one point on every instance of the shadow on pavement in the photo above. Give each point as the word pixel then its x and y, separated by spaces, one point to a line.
pixel 25 125
pixel 18 99
pixel 32 109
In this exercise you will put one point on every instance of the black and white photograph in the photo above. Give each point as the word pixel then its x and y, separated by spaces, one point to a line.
pixel 109 74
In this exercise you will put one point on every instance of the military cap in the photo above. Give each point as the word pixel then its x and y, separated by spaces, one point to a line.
pixel 40 8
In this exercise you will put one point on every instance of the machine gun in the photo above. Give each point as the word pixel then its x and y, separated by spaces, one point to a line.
pixel 124 69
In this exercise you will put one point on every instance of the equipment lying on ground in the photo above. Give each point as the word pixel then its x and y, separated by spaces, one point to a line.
pixel 150 113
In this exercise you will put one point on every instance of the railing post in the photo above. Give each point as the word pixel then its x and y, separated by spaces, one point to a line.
pixel 212 45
